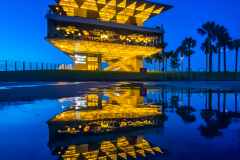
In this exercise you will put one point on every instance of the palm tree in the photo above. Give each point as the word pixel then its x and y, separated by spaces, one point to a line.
pixel 167 56
pixel 156 57
pixel 205 49
pixel 174 61
pixel 208 28
pixel 219 33
pixel 236 44
pixel 183 50
pixel 148 60
pixel 226 42
pixel 159 59
pixel 163 46
pixel 189 43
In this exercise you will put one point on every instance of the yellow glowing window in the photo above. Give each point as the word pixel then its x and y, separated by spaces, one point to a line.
pixel 141 8
pixel 122 4
pixel 109 11
pixel 90 5
pixel 101 1
pixel 158 11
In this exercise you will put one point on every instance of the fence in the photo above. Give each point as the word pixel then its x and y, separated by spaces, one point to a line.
pixel 6 65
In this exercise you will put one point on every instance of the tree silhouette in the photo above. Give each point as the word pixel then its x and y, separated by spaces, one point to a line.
pixel 208 29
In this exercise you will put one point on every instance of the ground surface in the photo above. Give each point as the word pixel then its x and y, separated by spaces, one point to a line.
pixel 73 75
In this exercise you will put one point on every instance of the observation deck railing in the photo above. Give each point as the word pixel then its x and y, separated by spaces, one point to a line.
pixel 7 65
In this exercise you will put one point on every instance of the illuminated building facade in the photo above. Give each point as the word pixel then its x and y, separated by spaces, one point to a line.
pixel 96 31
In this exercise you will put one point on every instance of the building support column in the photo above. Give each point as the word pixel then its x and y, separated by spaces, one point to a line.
pixel 99 62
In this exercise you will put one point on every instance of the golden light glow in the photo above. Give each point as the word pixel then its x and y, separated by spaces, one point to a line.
pixel 91 155
pixel 68 29
pixel 90 5
pixel 122 37
pixel 113 152
pixel 122 4
pixel 142 7
pixel 158 11
pixel 70 153
pixel 68 6
pixel 109 111
pixel 86 128
pixel 145 14
pixel 157 149
pixel 108 51
pixel 85 33
pixel 123 16
pixel 101 1
pixel 108 11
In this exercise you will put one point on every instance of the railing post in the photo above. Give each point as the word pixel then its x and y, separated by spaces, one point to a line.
pixel 203 72
pixel 16 66
pixel 24 66
pixel 165 73
pixel 30 66
pixel 6 66
pixel 187 71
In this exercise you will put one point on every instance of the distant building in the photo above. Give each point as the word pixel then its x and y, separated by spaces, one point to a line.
pixel 96 31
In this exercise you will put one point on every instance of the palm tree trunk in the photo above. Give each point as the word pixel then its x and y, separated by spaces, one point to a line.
pixel 225 65
pixel 206 62
pixel 165 62
pixel 182 60
pixel 219 60
pixel 189 60
pixel 154 64
pixel 236 102
pixel 236 65
pixel 210 100
pixel 218 100
pixel 163 57
pixel 210 55
pixel 224 102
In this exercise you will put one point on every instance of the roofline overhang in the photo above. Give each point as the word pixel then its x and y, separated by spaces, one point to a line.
pixel 102 23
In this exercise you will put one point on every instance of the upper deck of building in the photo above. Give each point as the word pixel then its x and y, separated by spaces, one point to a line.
pixel 133 12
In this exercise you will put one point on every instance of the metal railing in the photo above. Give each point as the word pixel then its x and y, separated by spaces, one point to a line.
pixel 203 73
pixel 174 72
pixel 190 69
pixel 165 71
pixel 201 96
pixel 7 65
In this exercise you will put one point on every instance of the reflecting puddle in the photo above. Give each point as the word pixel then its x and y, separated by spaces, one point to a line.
pixel 125 121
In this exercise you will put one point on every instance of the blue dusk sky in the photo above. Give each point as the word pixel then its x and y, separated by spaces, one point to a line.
pixel 24 27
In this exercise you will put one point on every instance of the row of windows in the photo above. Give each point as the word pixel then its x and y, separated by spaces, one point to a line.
pixel 93 67
pixel 92 59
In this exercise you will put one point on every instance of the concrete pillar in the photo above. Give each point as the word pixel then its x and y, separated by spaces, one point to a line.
pixel 99 62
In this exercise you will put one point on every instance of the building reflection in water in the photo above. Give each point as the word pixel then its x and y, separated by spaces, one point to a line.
pixel 93 128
